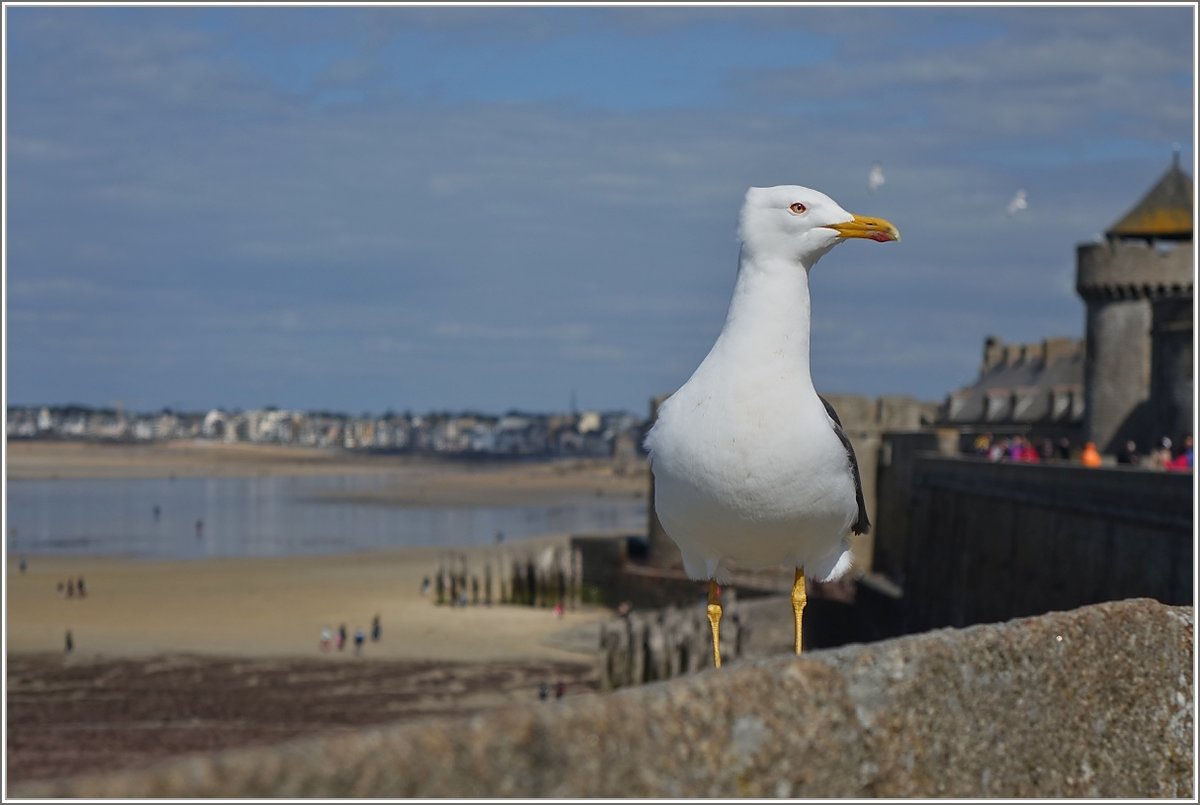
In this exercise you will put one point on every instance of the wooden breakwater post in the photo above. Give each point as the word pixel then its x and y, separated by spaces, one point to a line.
pixel 665 643
pixel 536 577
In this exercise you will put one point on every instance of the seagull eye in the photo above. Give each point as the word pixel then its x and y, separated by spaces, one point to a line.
pixel 797 208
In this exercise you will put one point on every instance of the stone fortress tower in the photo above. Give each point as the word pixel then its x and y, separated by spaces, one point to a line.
pixel 1137 285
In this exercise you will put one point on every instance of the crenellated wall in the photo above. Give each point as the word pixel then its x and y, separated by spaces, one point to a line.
pixel 1134 269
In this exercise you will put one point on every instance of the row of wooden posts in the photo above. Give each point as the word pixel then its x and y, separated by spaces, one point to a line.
pixel 665 643
pixel 540 578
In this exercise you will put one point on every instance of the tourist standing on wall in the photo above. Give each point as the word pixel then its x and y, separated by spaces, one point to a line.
pixel 1129 454
pixel 1183 461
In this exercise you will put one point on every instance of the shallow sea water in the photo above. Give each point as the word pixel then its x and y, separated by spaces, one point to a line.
pixel 269 516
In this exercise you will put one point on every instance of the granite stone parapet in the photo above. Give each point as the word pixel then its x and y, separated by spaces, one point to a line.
pixel 1095 702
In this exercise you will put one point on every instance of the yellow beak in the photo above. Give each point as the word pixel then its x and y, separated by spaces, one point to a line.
pixel 860 226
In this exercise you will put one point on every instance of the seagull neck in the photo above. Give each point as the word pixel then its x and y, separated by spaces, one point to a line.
pixel 769 314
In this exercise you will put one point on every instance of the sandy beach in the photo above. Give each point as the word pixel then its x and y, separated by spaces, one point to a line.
pixel 410 480
pixel 224 627
pixel 185 656
pixel 37 459
pixel 273 607
pixel 278 606
pixel 270 607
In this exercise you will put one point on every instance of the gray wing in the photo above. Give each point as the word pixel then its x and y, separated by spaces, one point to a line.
pixel 862 525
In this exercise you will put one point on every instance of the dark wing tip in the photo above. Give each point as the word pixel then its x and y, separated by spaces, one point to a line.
pixel 862 523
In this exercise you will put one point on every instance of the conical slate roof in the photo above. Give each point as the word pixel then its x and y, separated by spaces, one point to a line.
pixel 1165 212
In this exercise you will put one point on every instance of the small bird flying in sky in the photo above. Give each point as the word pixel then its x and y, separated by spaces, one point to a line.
pixel 875 179
pixel 1018 203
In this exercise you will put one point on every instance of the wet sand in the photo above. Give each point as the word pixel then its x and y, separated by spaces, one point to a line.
pixel 73 717
pixel 186 656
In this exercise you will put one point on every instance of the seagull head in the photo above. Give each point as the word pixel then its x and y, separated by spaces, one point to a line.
pixel 801 224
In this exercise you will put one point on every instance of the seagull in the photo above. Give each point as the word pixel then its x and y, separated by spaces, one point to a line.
pixel 875 179
pixel 1018 203
pixel 751 466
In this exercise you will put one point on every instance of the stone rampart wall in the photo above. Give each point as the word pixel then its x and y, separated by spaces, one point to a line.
pixel 986 542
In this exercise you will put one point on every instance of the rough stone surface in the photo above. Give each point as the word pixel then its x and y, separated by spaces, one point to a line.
pixel 1097 702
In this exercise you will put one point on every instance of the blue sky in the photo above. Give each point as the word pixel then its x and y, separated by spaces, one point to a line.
pixel 450 207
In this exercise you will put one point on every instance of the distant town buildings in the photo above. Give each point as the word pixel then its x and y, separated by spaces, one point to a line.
pixel 588 433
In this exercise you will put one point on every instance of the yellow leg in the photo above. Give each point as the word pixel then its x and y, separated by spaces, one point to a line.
pixel 714 618
pixel 799 599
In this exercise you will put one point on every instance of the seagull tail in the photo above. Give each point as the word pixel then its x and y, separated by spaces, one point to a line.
pixel 841 565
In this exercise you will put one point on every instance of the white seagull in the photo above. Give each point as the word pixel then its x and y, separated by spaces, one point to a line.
pixel 751 467
pixel 875 178
pixel 1018 203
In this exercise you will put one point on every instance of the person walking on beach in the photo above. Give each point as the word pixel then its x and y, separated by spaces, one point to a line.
pixel 68 643
pixel 376 629
pixel 341 644
pixel 326 639
pixel 359 639
pixel 80 588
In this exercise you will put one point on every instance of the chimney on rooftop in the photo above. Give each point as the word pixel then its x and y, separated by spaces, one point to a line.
pixel 993 353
